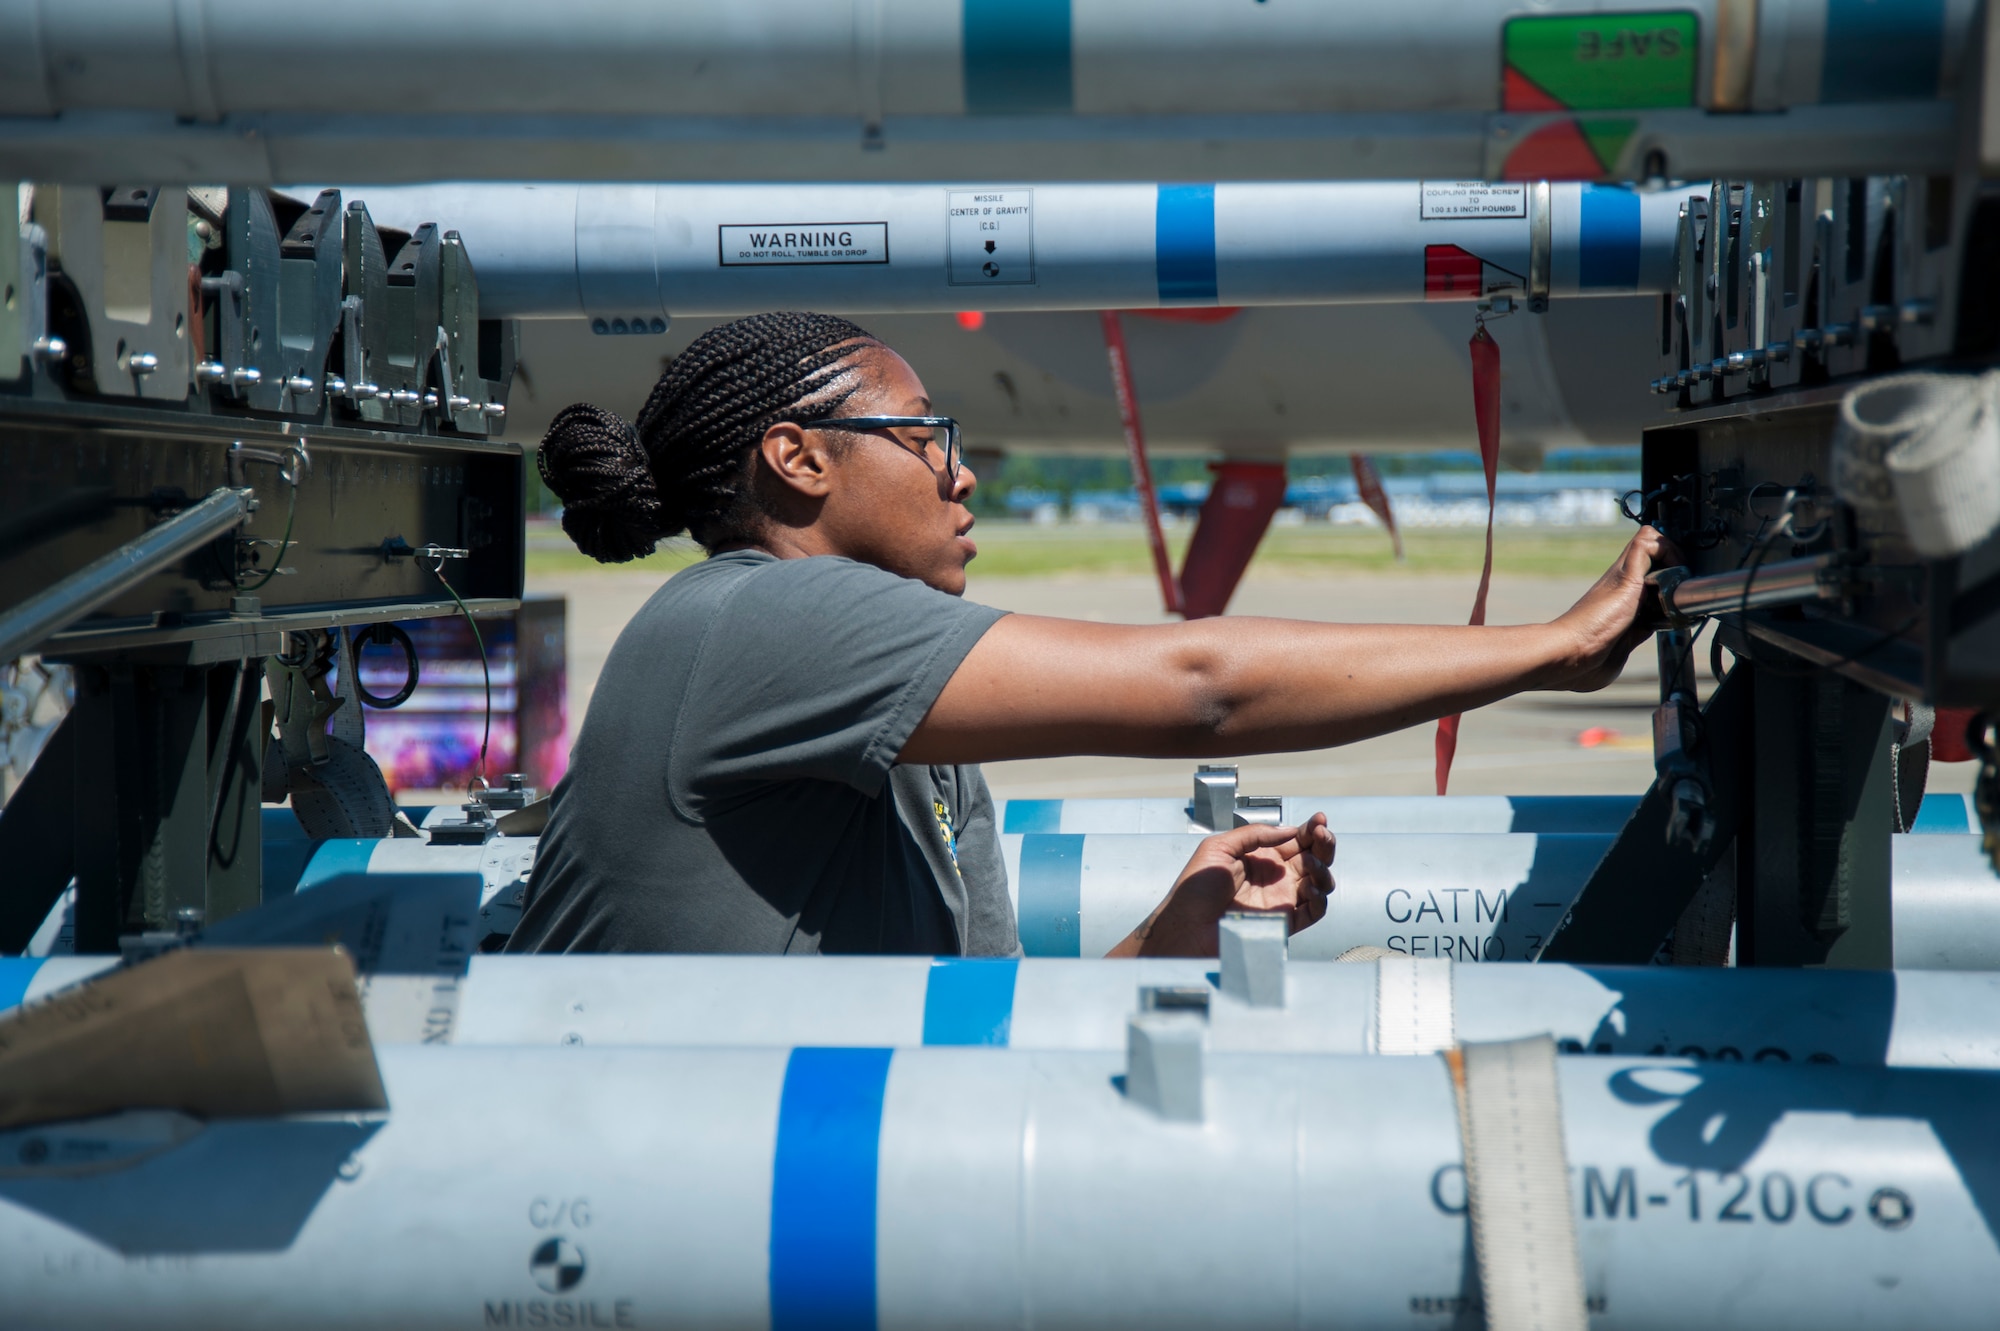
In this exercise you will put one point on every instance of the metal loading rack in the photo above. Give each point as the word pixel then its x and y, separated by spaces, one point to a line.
pixel 235 427
pixel 1810 321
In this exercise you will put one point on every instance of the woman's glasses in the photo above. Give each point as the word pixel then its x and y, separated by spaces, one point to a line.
pixel 869 424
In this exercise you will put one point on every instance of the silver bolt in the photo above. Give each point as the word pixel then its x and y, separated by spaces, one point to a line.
pixel 336 386
pixel 404 396
pixel 430 399
pixel 1778 352
pixel 246 377
pixel 495 410
pixel 299 384
pixel 1919 312
pixel 142 362
pixel 50 348
pixel 209 371
pixel 460 403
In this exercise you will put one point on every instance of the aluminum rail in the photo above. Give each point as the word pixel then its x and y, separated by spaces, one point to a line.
pixel 422 993
pixel 510 1187
pixel 1785 582
pixel 246 92
pixel 630 257
pixel 1384 813
pixel 25 626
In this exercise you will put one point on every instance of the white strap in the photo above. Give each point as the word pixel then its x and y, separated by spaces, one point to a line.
pixel 1517 1185
pixel 1413 1012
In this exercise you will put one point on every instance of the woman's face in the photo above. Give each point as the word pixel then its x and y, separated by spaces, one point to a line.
pixel 894 505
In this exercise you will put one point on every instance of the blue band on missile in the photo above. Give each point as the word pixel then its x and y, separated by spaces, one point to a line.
pixel 823 1180
pixel 335 858
pixel 17 973
pixel 969 1000
pixel 1882 50
pixel 1033 816
pixel 1017 57
pixel 1184 242
pixel 1051 893
pixel 1944 813
pixel 1608 238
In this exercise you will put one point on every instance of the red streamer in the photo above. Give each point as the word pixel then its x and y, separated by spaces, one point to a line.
pixel 1486 414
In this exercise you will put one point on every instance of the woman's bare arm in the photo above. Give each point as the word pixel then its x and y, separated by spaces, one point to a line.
pixel 1037 687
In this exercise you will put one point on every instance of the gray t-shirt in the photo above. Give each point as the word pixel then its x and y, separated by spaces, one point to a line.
pixel 735 786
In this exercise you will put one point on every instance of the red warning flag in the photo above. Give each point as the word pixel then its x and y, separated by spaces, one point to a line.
pixel 1486 414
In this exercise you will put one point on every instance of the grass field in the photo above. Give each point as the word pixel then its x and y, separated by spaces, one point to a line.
pixel 1019 550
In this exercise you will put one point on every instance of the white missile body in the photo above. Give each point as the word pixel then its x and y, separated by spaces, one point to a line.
pixel 1468 897
pixel 1488 896
pixel 244 91
pixel 630 257
pixel 1397 1005
pixel 510 1187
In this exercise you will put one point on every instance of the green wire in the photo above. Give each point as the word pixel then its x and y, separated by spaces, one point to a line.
pixel 285 545
pixel 485 669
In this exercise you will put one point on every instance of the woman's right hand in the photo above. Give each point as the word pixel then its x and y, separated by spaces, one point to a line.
pixel 1251 868
pixel 1610 619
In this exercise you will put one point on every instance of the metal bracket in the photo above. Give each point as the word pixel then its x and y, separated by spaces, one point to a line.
pixel 1644 881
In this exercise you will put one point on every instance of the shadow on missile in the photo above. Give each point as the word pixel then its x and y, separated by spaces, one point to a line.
pixel 1852 1013
pixel 391 924
pixel 1724 1117
pixel 237 1185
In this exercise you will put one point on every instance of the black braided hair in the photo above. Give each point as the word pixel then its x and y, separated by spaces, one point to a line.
pixel 686 466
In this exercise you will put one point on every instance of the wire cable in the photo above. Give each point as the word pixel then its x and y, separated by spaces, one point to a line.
pixel 485 667
pixel 284 545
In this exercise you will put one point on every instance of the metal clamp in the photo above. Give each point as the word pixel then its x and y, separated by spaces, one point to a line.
pixel 293 464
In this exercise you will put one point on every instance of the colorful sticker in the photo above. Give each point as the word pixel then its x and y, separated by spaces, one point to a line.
pixel 1599 62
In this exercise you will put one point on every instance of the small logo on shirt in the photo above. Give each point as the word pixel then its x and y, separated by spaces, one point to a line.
pixel 943 816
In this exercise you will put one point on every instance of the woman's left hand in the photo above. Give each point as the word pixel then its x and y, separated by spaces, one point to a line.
pixel 1252 868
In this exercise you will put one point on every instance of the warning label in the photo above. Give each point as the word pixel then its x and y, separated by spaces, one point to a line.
pixel 813 242
pixel 1453 200
pixel 991 236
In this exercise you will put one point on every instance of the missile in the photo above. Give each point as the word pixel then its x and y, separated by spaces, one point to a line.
pixel 1472 896
pixel 631 257
pixel 412 939
pixel 244 92
pixel 1468 897
pixel 644 1187
pixel 1393 1005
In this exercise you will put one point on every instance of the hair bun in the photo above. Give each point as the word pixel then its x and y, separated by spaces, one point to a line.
pixel 595 464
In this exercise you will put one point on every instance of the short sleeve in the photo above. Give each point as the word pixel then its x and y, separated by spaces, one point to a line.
pixel 815 669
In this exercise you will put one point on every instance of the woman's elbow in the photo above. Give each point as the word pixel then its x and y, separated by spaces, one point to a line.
pixel 1209 698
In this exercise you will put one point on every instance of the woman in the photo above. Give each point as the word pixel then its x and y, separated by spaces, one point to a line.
pixel 779 753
